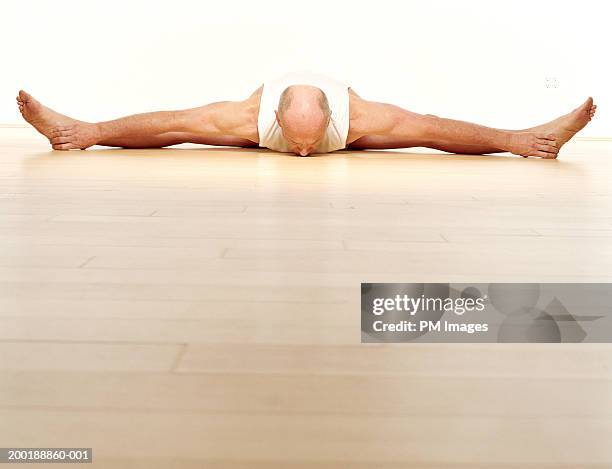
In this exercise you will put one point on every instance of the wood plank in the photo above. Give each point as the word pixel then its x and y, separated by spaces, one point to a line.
pixel 295 394
pixel 328 439
pixel 24 355
pixel 589 361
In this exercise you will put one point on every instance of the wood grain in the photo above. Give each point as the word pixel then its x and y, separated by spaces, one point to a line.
pixel 199 307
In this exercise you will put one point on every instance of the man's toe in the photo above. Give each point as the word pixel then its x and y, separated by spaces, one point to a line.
pixel 64 146
pixel 60 140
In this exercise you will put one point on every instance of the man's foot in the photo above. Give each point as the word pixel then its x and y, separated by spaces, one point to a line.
pixel 565 127
pixel 546 140
pixel 41 117
pixel 58 128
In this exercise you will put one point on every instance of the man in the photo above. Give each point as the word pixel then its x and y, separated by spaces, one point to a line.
pixel 303 113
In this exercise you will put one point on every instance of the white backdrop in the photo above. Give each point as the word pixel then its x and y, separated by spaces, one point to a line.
pixel 483 61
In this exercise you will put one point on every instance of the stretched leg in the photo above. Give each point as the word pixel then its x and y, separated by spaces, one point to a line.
pixel 463 137
pixel 150 130
pixel 175 138
pixel 152 141
pixel 381 142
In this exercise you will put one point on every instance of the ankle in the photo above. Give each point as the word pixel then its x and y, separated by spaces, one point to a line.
pixel 507 139
pixel 100 131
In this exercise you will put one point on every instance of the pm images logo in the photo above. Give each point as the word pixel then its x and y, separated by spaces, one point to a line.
pixel 496 312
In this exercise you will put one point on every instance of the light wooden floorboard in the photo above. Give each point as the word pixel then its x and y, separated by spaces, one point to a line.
pixel 278 393
pixel 313 437
pixel 87 356
pixel 197 307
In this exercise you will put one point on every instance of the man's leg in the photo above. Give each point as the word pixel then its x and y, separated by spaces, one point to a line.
pixel 175 138
pixel 463 137
pixel 149 130
pixel 373 142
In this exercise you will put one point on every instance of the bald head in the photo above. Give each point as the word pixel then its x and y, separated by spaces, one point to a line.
pixel 303 114
pixel 303 97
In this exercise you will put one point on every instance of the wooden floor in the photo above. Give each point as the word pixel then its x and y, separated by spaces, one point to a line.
pixel 199 308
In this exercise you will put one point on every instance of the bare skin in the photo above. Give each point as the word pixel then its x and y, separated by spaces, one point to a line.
pixel 384 126
pixel 224 123
pixel 234 123
pixel 303 122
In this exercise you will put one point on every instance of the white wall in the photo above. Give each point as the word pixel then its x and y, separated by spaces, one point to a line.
pixel 484 61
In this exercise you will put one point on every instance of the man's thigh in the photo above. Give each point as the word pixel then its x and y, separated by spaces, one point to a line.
pixel 383 125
